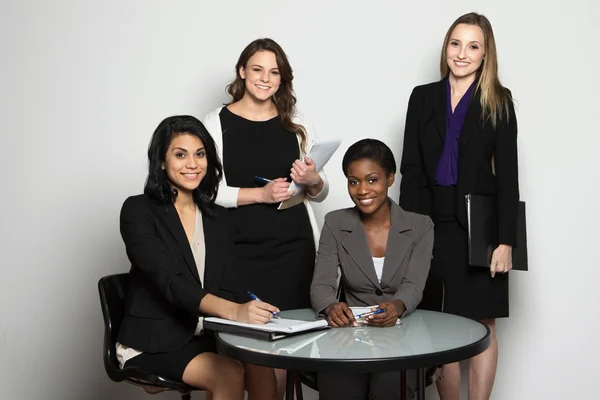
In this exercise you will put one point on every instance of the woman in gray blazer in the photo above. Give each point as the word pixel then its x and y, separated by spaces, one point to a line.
pixel 384 254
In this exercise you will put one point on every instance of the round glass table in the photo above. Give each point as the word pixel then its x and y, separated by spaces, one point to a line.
pixel 423 339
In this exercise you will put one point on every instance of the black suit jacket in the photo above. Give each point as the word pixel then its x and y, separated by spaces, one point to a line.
pixel 424 137
pixel 162 304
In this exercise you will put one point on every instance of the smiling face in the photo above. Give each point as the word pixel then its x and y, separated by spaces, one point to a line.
pixel 261 75
pixel 185 162
pixel 465 50
pixel 368 185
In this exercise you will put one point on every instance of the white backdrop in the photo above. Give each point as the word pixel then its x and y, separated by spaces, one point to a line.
pixel 83 84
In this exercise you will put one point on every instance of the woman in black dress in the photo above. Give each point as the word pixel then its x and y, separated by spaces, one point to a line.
pixel 260 134
pixel 461 138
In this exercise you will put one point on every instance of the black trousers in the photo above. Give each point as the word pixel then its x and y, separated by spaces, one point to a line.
pixel 351 386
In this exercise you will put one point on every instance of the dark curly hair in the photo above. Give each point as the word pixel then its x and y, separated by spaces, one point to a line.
pixel 157 184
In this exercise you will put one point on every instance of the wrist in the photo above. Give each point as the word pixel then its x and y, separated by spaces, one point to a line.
pixel 315 189
pixel 400 306
pixel 232 312
pixel 259 195
pixel 317 180
pixel 327 309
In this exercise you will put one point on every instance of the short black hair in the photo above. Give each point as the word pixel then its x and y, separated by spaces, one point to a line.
pixel 157 184
pixel 370 149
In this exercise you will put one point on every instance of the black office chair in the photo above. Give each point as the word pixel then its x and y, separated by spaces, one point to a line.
pixel 112 290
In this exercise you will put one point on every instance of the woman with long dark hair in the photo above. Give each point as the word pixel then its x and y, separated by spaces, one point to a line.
pixel 179 245
pixel 261 134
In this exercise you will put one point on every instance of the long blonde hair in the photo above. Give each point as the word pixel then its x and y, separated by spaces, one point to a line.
pixel 285 98
pixel 495 99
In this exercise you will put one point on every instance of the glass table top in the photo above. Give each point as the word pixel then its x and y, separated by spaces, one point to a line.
pixel 421 333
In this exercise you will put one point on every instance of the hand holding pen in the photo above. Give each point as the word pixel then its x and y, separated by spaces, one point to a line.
pixel 272 309
pixel 386 314
pixel 255 312
pixel 275 191
pixel 373 312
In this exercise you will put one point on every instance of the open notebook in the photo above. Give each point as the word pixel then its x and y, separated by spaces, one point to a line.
pixel 272 330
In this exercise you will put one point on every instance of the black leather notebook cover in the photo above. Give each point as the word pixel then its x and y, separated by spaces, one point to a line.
pixel 482 217
pixel 254 333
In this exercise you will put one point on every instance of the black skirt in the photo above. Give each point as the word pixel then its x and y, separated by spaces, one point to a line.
pixel 469 291
pixel 172 364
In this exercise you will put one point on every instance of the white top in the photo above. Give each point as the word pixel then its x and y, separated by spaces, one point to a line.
pixel 378 263
pixel 228 195
pixel 198 246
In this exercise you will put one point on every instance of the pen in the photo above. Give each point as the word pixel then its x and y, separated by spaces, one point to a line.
pixel 255 297
pixel 379 311
pixel 261 179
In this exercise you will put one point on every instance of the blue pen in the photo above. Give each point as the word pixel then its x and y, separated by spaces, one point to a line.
pixel 379 311
pixel 261 179
pixel 255 297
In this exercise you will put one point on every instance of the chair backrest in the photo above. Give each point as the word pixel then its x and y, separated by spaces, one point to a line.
pixel 433 295
pixel 112 289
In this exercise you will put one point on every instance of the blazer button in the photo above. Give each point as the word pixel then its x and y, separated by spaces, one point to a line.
pixel 378 292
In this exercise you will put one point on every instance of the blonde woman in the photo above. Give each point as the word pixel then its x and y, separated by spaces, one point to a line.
pixel 460 138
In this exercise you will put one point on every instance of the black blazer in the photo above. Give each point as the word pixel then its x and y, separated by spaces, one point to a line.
pixel 161 307
pixel 424 137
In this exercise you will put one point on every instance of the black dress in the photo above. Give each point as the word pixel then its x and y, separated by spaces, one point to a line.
pixel 274 251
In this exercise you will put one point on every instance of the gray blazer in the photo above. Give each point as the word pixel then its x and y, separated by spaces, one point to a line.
pixel 344 245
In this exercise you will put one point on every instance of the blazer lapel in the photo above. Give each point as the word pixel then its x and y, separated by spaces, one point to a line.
pixel 357 246
pixel 472 119
pixel 171 218
pixel 398 245
pixel 211 263
pixel 440 106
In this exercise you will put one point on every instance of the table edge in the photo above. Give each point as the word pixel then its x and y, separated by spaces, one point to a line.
pixel 287 362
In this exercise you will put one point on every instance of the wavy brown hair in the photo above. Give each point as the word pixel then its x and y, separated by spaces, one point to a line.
pixel 495 98
pixel 285 98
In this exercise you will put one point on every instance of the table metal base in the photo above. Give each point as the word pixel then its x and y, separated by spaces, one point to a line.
pixel 421 384
pixel 290 384
pixel 293 381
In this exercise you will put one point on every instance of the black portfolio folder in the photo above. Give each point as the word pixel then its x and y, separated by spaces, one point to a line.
pixel 255 333
pixel 482 218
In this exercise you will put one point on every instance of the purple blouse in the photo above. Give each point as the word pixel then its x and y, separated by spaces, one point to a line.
pixel 446 173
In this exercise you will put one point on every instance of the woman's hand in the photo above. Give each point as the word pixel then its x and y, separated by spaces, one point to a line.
pixel 276 191
pixel 394 309
pixel 501 260
pixel 305 173
pixel 255 312
pixel 340 315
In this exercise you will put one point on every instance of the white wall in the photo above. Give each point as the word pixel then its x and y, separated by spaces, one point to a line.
pixel 83 84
